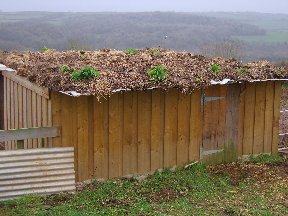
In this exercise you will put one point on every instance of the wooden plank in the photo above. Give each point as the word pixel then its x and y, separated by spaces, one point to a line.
pixel 171 128
pixel 268 132
pixel 29 115
pixel 44 115
pixel 66 120
pixel 90 132
pixel 115 135
pixel 222 129
pixel 28 133
pixel 196 126
pixel 34 116
pixel 39 118
pixel 50 144
pixel 44 92
pixel 56 115
pixel 232 122
pixel 1 102
pixel 144 131
pixel 20 107
pixel 74 132
pixel 24 113
pixel 276 116
pixel 16 106
pixel 101 139
pixel 184 111
pixel 5 104
pixel 83 146
pixel 249 119
pixel 241 120
pixel 259 122
pixel 8 110
pixel 130 133
pixel 12 112
pixel 157 129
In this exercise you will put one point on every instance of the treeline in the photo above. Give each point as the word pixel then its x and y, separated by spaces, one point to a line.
pixel 62 31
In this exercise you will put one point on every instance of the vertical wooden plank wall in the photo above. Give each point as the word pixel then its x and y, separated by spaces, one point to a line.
pixel 139 132
pixel 23 109
pixel 133 132
pixel 259 112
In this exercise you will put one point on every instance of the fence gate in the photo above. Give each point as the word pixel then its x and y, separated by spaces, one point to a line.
pixel 214 106
pixel 35 171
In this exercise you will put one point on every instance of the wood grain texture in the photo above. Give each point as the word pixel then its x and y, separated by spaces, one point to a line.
pixel 115 136
pixel 171 128
pixel 241 119
pixel 259 122
pixel 232 122
pixel 276 116
pixel 130 133
pixel 144 131
pixel 268 132
pixel 196 126
pixel 184 110
pixel 56 115
pixel 83 146
pixel 249 117
pixel 157 129
pixel 101 145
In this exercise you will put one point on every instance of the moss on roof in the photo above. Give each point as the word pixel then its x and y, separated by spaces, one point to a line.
pixel 120 70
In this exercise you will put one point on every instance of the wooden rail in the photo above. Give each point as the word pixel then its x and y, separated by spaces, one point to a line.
pixel 29 133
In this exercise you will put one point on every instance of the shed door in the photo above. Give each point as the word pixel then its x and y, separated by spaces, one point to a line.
pixel 214 111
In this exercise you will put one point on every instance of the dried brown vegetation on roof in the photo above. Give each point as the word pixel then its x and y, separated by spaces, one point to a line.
pixel 119 70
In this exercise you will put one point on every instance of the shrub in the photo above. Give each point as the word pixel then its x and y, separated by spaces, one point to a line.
pixel 85 73
pixel 215 68
pixel 131 51
pixel 157 73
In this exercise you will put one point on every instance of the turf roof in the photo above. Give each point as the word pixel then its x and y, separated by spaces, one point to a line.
pixel 122 71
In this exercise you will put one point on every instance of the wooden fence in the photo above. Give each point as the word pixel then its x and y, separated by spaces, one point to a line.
pixel 134 132
pixel 25 105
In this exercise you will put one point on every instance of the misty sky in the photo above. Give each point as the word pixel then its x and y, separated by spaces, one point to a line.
pixel 266 6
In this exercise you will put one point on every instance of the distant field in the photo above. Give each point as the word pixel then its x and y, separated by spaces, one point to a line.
pixel 270 38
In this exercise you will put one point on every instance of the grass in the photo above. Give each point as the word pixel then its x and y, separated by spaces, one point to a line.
pixel 270 38
pixel 248 188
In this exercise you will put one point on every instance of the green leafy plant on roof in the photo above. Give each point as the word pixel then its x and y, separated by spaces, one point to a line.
pixel 85 73
pixel 44 49
pixel 241 70
pixel 131 51
pixel 157 73
pixel 215 68
pixel 65 69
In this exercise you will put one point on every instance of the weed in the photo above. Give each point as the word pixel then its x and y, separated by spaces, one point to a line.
pixel 131 51
pixel 65 69
pixel 215 68
pixel 44 49
pixel 241 70
pixel 266 158
pixel 157 73
pixel 154 52
pixel 85 73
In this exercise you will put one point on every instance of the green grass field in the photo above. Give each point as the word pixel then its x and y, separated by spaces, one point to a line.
pixel 258 187
pixel 270 38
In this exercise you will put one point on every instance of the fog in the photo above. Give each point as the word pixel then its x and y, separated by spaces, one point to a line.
pixel 264 6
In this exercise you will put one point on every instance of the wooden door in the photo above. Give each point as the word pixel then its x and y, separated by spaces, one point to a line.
pixel 214 106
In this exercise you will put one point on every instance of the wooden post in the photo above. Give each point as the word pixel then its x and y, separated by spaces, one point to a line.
pixel 232 119
pixel 1 102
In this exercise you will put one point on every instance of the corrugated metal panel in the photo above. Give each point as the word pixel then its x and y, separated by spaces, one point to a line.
pixel 36 171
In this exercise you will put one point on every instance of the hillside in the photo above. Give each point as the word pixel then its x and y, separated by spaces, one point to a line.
pixel 199 33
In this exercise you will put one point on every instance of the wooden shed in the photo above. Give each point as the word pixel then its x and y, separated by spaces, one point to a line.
pixel 140 131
